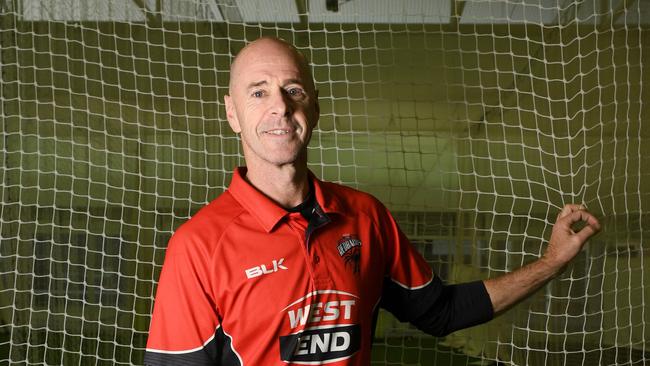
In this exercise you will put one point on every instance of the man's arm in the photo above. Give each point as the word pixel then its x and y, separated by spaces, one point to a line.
pixel 565 243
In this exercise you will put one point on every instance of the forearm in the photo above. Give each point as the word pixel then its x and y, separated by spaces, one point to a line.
pixel 507 290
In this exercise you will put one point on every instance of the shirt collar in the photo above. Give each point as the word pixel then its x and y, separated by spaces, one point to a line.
pixel 267 212
pixel 328 201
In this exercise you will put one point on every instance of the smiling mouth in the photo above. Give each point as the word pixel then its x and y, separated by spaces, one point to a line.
pixel 277 132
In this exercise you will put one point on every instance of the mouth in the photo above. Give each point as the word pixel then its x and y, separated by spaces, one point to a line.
pixel 278 132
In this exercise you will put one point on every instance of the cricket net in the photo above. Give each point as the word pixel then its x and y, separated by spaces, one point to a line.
pixel 473 121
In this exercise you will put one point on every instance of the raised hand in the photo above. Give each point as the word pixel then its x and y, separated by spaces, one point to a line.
pixel 573 227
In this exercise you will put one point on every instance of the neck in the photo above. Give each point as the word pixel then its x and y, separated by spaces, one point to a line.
pixel 287 185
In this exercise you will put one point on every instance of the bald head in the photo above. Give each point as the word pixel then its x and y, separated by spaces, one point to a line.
pixel 273 105
pixel 266 48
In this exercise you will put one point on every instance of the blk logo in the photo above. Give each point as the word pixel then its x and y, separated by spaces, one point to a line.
pixel 264 269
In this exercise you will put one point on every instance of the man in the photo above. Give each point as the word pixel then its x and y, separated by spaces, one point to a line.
pixel 283 268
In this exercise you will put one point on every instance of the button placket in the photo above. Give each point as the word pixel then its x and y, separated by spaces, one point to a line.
pixel 298 226
pixel 317 269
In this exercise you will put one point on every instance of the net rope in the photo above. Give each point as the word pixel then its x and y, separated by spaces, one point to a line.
pixel 473 121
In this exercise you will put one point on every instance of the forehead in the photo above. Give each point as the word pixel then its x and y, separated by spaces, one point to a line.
pixel 270 66
pixel 259 62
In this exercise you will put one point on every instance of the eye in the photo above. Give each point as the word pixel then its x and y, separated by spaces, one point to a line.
pixel 257 94
pixel 296 92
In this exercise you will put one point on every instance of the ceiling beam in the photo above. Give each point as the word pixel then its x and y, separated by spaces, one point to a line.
pixel 457 9
pixel 301 6
pixel 216 13
pixel 152 18
pixel 229 11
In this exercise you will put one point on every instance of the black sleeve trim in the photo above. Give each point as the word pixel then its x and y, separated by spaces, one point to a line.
pixel 184 359
pixel 439 309
pixel 217 352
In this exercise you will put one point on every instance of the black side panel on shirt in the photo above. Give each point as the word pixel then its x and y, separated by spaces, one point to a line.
pixel 439 309
pixel 210 355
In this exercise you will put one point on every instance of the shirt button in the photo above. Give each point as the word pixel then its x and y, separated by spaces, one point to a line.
pixel 316 259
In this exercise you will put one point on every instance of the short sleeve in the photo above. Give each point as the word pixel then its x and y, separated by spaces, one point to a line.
pixel 405 266
pixel 185 321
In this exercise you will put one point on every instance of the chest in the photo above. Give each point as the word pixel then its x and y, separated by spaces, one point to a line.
pixel 308 292
pixel 296 259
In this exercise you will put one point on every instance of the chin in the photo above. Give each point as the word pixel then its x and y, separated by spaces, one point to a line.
pixel 284 159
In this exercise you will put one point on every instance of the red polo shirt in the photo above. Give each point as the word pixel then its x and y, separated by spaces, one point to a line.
pixel 247 283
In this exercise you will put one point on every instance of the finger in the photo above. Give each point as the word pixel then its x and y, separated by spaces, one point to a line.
pixel 590 220
pixel 589 224
pixel 566 210
pixel 570 208
pixel 586 232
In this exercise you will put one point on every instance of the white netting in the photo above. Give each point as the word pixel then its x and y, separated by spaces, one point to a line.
pixel 474 121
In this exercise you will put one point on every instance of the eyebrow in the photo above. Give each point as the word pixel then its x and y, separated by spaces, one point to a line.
pixel 255 84
pixel 294 81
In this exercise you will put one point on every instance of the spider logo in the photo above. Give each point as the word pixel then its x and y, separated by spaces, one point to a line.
pixel 349 248
pixel 353 258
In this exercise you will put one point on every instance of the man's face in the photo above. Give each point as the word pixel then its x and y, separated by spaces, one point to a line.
pixel 272 104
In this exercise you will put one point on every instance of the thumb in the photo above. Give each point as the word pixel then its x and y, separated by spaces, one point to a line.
pixel 586 232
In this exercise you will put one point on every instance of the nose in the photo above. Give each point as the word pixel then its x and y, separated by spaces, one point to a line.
pixel 281 104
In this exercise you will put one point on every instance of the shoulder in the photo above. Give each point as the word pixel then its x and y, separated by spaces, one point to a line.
pixel 201 233
pixel 348 199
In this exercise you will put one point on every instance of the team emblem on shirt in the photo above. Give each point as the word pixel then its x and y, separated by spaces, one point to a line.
pixel 349 248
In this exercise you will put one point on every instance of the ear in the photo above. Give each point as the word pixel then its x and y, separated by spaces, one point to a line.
pixel 231 114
